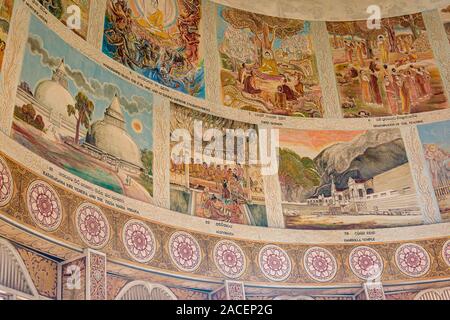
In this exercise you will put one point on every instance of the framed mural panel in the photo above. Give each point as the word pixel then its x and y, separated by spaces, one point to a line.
pixel 212 188
pixel 158 39
pixel 387 71
pixel 332 180
pixel 436 143
pixel 83 118
pixel 268 64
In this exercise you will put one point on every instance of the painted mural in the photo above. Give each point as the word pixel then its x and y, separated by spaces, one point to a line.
pixel 83 118
pixel 213 189
pixel 386 71
pixel 445 15
pixel 6 9
pixel 436 143
pixel 158 39
pixel 346 179
pixel 268 64
pixel 60 9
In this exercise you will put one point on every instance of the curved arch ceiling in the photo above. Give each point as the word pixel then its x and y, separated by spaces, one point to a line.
pixel 333 10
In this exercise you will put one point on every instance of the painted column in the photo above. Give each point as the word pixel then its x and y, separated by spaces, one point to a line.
pixel 161 152
pixel 96 23
pixel 210 49
pixel 12 63
pixel 272 191
pixel 440 45
pixel 327 78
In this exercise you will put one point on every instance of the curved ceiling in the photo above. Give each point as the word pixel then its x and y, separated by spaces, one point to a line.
pixel 333 10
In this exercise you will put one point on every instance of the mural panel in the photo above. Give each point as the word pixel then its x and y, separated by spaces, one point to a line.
pixel 386 71
pixel 6 10
pixel 445 15
pixel 268 64
pixel 158 39
pixel 346 180
pixel 83 118
pixel 210 187
pixel 60 9
pixel 436 143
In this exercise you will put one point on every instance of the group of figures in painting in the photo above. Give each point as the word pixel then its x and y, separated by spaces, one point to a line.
pixel 386 71
pixel 213 189
pixel 159 39
pixel 69 109
pixel 268 64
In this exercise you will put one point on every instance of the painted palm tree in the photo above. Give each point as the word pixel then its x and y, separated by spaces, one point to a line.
pixel 82 111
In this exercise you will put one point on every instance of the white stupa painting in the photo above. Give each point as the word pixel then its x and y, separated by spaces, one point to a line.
pixel 105 153
pixel 109 140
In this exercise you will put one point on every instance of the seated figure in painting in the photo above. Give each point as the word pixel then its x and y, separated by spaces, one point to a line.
pixel 154 19
pixel 269 64
pixel 250 83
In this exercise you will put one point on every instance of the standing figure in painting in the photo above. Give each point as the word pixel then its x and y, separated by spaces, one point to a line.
pixel 365 87
pixel 383 47
pixel 405 95
pixel 349 51
pixel 392 93
pixel 437 161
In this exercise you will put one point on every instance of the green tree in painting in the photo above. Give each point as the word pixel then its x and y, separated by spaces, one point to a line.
pixel 147 160
pixel 54 6
pixel 298 176
pixel 82 111
pixel 265 29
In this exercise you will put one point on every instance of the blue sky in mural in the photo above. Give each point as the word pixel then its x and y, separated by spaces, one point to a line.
pixel 437 133
pixel 34 71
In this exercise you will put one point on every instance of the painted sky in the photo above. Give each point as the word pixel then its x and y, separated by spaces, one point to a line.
pixel 308 143
pixel 436 133
pixel 34 71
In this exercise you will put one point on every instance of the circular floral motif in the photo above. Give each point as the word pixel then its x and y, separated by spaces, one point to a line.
pixel 446 252
pixel 412 260
pixel 275 263
pixel 6 184
pixel 229 259
pixel 44 206
pixel 139 241
pixel 320 264
pixel 92 225
pixel 366 263
pixel 185 251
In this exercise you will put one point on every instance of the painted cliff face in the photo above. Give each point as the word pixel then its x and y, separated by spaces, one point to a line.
pixel 436 143
pixel 158 39
pixel 83 118
pixel 231 193
pixel 346 180
pixel 386 71
pixel 268 64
